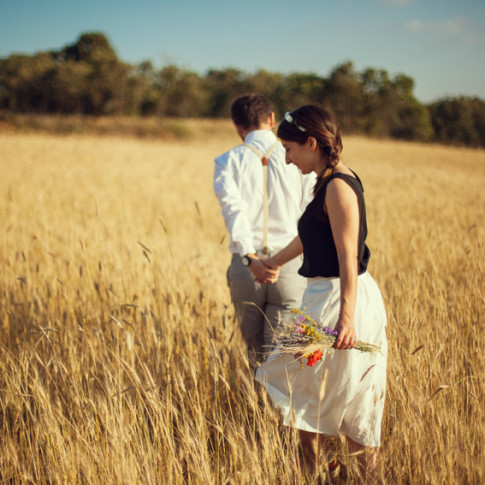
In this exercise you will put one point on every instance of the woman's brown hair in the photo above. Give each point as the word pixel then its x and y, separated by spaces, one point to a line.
pixel 312 121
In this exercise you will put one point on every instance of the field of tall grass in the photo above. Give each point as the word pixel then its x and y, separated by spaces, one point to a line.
pixel 120 360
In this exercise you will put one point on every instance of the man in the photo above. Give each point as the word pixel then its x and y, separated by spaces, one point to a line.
pixel 261 198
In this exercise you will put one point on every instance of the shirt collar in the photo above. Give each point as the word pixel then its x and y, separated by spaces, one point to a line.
pixel 263 138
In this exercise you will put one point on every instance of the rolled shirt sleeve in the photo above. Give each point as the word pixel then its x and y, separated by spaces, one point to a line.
pixel 234 208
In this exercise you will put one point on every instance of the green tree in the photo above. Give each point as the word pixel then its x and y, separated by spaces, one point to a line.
pixel 65 87
pixel 104 79
pixel 181 93
pixel 91 47
pixel 390 108
pixel 344 96
pixel 142 91
pixel 20 86
pixel 412 121
pixel 223 87
pixel 271 85
pixel 301 88
pixel 459 121
pixel 379 111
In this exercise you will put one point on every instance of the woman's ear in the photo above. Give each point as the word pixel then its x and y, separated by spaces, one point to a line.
pixel 312 143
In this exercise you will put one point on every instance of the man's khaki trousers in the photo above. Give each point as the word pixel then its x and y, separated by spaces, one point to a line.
pixel 261 307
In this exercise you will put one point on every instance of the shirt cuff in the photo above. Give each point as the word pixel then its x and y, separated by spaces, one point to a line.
pixel 246 247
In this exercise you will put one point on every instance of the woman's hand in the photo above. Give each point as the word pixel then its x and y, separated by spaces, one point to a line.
pixel 346 338
pixel 263 273
pixel 270 263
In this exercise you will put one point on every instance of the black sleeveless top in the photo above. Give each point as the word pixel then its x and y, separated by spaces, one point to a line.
pixel 319 251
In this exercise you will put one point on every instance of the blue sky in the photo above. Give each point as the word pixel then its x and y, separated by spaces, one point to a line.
pixel 439 43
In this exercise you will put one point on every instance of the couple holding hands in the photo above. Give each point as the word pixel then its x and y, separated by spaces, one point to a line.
pixel 297 220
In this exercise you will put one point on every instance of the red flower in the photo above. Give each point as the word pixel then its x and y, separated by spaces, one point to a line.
pixel 314 358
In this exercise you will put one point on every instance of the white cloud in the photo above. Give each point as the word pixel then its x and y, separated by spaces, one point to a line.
pixel 396 3
pixel 453 26
pixel 460 28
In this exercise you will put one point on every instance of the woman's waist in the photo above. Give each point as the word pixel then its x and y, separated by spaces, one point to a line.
pixel 316 279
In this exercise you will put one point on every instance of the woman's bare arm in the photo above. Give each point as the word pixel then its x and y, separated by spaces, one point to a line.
pixel 343 211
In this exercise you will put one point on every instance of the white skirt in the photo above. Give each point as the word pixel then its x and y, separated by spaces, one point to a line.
pixel 344 392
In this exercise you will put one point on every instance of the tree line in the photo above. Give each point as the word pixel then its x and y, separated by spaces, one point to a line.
pixel 87 78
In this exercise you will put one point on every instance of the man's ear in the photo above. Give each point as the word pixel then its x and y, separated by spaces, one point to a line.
pixel 271 120
pixel 240 131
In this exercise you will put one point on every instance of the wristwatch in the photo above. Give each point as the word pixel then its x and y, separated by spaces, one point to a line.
pixel 246 260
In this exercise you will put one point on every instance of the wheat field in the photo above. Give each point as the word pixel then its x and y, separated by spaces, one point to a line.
pixel 120 359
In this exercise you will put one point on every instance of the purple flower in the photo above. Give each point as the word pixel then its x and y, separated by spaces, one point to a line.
pixel 330 331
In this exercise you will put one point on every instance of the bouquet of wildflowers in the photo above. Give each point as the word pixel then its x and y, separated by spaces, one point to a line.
pixel 306 338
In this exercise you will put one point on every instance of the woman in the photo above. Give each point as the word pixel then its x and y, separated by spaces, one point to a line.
pixel 344 393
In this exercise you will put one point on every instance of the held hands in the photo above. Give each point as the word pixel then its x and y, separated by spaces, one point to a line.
pixel 264 272
pixel 270 263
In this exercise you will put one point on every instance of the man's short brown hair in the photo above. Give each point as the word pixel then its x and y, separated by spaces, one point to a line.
pixel 251 111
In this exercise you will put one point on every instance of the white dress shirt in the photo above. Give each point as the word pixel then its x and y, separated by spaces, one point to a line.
pixel 238 184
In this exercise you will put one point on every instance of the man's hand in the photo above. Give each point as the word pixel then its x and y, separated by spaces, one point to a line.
pixel 263 274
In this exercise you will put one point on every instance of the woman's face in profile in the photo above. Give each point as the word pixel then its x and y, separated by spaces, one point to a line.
pixel 303 156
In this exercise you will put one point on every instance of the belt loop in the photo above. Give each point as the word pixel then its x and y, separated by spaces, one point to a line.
pixel 264 251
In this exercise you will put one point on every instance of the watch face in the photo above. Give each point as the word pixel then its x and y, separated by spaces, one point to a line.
pixel 246 261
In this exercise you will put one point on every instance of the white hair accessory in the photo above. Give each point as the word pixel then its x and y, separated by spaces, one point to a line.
pixel 291 120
